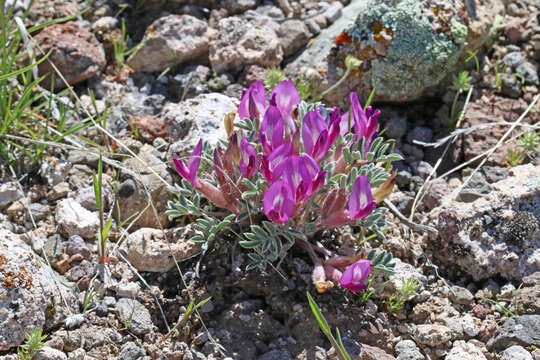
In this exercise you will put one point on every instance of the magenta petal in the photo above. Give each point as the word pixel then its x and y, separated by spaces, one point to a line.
pixel 334 128
pixel 355 275
pixel 361 200
pixel 195 160
pixel 286 96
pixel 249 161
pixel 253 101
pixel 181 169
pixel 271 131
pixel 277 202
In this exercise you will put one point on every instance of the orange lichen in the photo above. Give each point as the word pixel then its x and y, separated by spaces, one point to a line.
pixel 343 38
pixel 11 279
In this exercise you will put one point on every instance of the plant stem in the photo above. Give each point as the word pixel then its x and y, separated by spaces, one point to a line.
pixel 333 87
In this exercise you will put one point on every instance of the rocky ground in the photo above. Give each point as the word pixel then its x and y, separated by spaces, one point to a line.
pixel 479 294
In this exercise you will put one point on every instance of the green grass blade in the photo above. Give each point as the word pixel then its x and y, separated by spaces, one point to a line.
pixel 318 315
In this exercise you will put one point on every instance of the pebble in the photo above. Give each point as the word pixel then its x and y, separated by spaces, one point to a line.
pixel 516 353
pixel 135 315
pixel 408 350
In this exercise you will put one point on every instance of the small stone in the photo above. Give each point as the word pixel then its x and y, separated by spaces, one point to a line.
pixel 511 86
pixel 48 353
pixel 77 245
pixel 462 350
pixel 516 353
pixel 294 34
pixel 58 191
pixel 127 290
pixel 374 353
pixel 420 133
pixel 461 295
pixel 73 219
pixel 421 168
pixel 408 350
pixel 396 127
pixel 9 192
pixel 333 12
pixel 433 334
pixel 528 71
pixel 131 351
pixel 513 59
pixel 133 314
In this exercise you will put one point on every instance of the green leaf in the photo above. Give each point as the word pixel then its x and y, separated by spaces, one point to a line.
pixel 318 315
pixel 105 231
pixel 250 244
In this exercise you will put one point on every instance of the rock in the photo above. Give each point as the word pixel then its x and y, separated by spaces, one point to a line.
pixel 333 12
pixel 420 133
pixel 238 6
pixel 402 273
pixel 104 24
pixel 516 353
pixel 73 219
pixel 407 350
pixel 435 191
pixel 276 355
pixel 239 44
pixel 293 35
pixel 511 86
pixel 528 299
pixel 529 73
pixel 76 52
pixel 505 245
pixel 421 168
pixel 58 191
pixel 77 245
pixel 87 198
pixel 194 119
pixel 513 59
pixel 131 351
pixel 396 127
pixel 191 82
pixel 374 353
pixel 521 330
pixel 85 269
pixel 148 126
pixel 407 47
pixel 135 315
pixel 134 191
pixel 27 292
pixel 480 112
pixel 172 40
pixel 476 187
pixel 432 334
pixel 9 192
pixel 147 250
pixel 462 350
pixel 48 353
pixel 54 171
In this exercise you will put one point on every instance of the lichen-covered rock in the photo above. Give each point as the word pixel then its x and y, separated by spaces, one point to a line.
pixel 171 40
pixel 293 34
pixel 153 250
pixel 407 46
pixel 76 53
pixel 518 330
pixel 240 43
pixel 497 234
pixel 133 314
pixel 198 118
pixel 28 292
pixel 465 351
pixel 433 334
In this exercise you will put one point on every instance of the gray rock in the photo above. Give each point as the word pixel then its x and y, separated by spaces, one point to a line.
pixel 9 192
pixel 276 355
pixel 396 127
pixel 86 196
pixel 73 219
pixel 131 351
pixel 513 59
pixel 462 350
pixel 481 249
pixel 54 171
pixel 172 40
pixel 293 35
pixel 333 12
pixel 238 6
pixel 104 24
pixel 407 350
pixel 194 119
pixel 421 168
pixel 28 291
pixel 511 86
pixel 85 269
pixel 239 43
pixel 521 330
pixel 461 295
pixel 147 250
pixel 529 72
pixel 48 353
pixel 77 245
pixel 516 353
pixel 192 82
pixel 39 211
pixel 420 133
pixel 135 315
pixel 475 189
pixel 433 334
pixel 133 192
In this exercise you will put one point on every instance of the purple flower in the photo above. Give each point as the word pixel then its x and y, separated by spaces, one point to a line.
pixel 190 172
pixel 271 131
pixel 249 161
pixel 270 162
pixel 253 101
pixel 302 174
pixel 278 202
pixel 286 97
pixel 355 275
pixel 334 126
pixel 365 123
pixel 361 202
pixel 315 135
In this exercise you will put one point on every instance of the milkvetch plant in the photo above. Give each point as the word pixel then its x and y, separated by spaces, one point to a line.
pixel 288 170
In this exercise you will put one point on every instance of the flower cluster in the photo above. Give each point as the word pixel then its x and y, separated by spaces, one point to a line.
pixel 294 162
